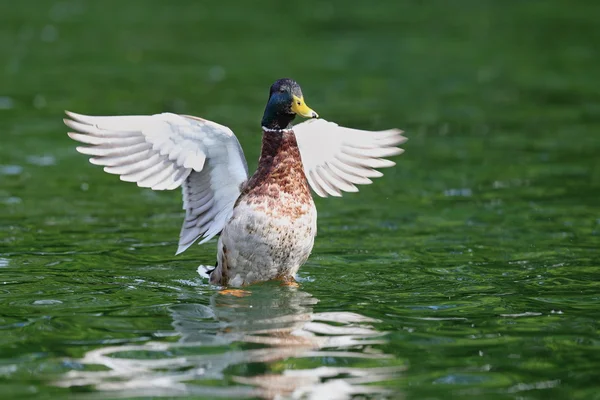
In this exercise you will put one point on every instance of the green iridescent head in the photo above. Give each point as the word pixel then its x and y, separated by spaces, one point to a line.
pixel 285 102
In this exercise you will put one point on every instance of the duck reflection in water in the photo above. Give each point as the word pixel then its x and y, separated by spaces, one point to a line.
pixel 266 343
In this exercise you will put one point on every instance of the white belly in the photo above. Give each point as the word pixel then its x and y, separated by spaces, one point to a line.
pixel 261 243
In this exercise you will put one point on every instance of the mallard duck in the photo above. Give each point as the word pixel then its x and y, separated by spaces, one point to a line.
pixel 267 222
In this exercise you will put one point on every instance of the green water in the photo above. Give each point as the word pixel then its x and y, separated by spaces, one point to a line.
pixel 470 270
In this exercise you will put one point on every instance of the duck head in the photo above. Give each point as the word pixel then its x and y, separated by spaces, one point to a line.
pixel 285 102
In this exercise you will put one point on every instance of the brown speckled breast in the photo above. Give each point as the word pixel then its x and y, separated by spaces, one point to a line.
pixel 279 170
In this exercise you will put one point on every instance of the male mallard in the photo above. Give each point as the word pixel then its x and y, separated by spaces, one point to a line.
pixel 267 223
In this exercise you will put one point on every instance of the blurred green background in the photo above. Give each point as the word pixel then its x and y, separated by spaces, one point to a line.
pixel 477 255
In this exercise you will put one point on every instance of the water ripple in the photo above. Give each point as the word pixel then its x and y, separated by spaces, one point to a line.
pixel 270 326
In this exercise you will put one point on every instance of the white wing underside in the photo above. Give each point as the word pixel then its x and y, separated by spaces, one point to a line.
pixel 165 151
pixel 336 159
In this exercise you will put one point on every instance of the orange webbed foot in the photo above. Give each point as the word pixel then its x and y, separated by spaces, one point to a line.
pixel 289 282
pixel 234 292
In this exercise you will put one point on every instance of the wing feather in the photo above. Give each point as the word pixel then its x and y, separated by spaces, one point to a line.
pixel 108 151
pixel 121 160
pixel 314 185
pixel 164 152
pixel 337 180
pixel 336 159
pixel 356 170
pixel 326 183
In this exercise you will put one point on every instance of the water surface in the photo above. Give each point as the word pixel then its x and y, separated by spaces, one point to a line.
pixel 470 270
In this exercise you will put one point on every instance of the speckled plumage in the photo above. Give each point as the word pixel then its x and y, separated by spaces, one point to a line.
pixel 271 232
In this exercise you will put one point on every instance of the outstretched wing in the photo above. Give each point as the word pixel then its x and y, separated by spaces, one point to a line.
pixel 165 151
pixel 336 159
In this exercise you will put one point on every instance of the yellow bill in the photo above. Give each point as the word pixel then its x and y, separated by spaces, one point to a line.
pixel 300 108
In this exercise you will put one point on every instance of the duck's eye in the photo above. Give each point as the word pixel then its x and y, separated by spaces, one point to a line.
pixel 298 103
